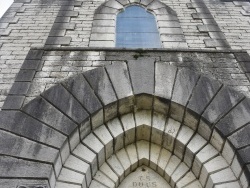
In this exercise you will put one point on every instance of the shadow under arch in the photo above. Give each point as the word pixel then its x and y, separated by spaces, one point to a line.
pixel 66 114
pixel 104 23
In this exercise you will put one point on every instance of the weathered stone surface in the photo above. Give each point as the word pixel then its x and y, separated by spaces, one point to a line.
pixel 19 88
pixel 105 137
pixel 81 90
pixel 99 81
pixel 201 96
pixel 142 78
pixel 91 141
pixel 34 55
pixel 124 93
pixel 72 107
pixel 210 43
pixel 144 176
pixel 50 115
pixel 68 14
pixel 21 124
pixel 244 154
pixel 6 183
pixel 18 168
pixel 241 138
pixel 164 81
pixel 235 119
pixel 184 84
pixel 60 26
pixel 208 28
pixel 85 154
pixel 58 40
pixel 31 64
pixel 13 102
pixel 156 5
pixel 25 75
pixel 17 146
pixel 228 98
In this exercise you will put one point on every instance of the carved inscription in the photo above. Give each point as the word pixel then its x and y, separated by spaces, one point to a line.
pixel 144 177
pixel 144 181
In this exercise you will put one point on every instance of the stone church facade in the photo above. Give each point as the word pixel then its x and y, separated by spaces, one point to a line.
pixel 78 112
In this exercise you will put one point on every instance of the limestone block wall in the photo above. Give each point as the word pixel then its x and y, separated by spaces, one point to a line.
pixel 75 114
pixel 43 68
pixel 162 117
pixel 195 25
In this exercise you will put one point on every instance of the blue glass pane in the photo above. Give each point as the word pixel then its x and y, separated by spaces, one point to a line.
pixel 136 28
pixel 138 40
pixel 135 12
pixel 136 25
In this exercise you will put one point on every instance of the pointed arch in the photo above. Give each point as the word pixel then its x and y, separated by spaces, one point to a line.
pixel 66 118
pixel 103 28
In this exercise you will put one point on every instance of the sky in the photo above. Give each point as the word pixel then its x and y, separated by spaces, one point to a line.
pixel 4 5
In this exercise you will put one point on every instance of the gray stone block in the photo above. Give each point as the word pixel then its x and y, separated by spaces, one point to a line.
pixel 58 40
pixel 164 82
pixel 235 119
pixel 208 28
pixel 156 5
pixel 119 76
pixel 217 35
pixel 67 8
pixel 228 97
pixel 211 43
pixel 18 168
pixel 62 19
pixel 4 25
pixel 183 88
pixel 5 32
pixel 13 102
pixel 244 154
pixel 57 33
pixel 202 16
pixel 31 64
pixel 102 36
pixel 113 4
pixel 99 81
pixel 146 2
pixel 81 90
pixel 26 148
pixel 34 55
pixel 19 88
pixel 242 56
pixel 241 138
pixel 245 66
pixel 72 107
pixel 142 78
pixel 17 183
pixel 67 26
pixel 175 31
pixel 106 10
pixel 9 20
pixel 21 124
pixel 25 75
pixel 67 14
pixel 169 24
pixel 201 96
pixel 173 38
pixel 167 18
pixel 50 115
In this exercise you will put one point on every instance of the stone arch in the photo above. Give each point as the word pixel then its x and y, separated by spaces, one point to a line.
pixel 168 147
pixel 103 27
pixel 53 129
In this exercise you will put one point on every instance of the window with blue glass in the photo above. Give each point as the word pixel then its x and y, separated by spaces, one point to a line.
pixel 136 28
